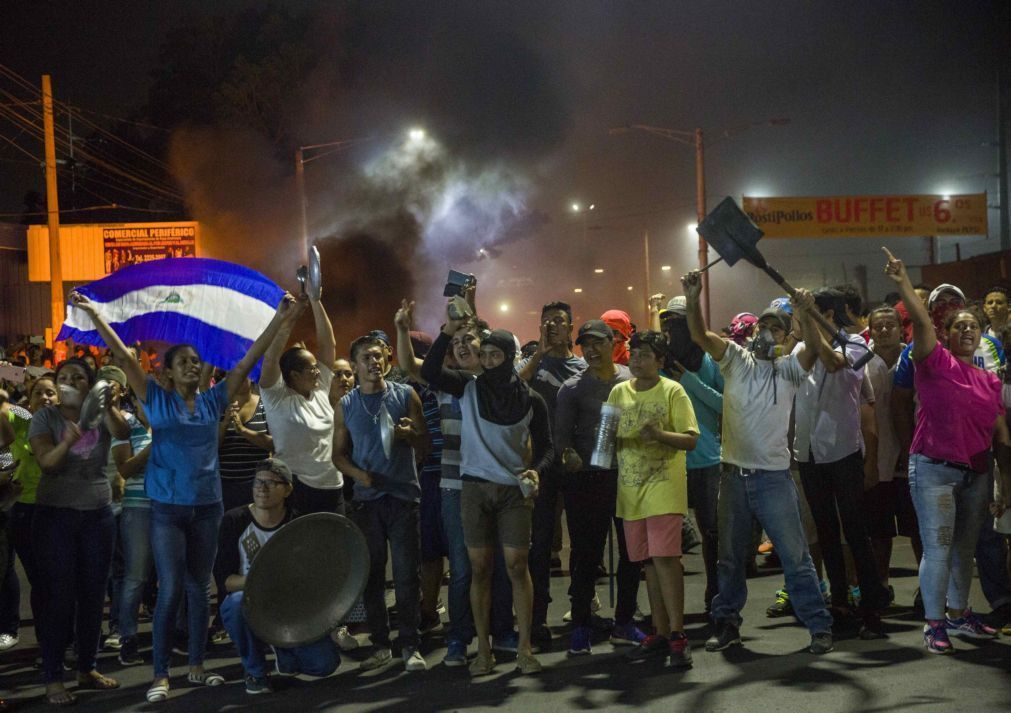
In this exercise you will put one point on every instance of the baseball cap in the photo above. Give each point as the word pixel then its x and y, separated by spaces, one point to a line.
pixel 594 328
pixel 276 466
pixel 678 307
pixel 783 304
pixel 783 317
pixel 112 373
pixel 940 290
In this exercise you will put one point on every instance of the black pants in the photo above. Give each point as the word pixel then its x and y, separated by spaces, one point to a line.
pixel 307 499
pixel 834 492
pixel 589 511
pixel 391 522
pixel 550 489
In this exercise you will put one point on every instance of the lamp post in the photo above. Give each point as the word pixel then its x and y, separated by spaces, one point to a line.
pixel 300 160
pixel 696 138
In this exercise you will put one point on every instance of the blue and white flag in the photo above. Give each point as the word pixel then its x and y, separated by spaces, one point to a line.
pixel 218 307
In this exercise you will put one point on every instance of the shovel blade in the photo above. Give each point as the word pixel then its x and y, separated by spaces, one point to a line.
pixel 731 234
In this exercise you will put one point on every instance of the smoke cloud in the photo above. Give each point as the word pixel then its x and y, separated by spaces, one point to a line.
pixel 394 217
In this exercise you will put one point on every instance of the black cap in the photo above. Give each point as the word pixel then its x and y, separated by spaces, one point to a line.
pixel 783 317
pixel 595 328
pixel 276 466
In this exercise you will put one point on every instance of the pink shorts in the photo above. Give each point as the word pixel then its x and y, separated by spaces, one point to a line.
pixel 656 536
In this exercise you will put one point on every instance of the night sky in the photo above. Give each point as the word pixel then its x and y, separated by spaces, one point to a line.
pixel 517 98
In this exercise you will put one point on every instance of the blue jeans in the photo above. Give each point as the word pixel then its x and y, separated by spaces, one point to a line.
pixel 951 505
pixel 135 537
pixel 317 659
pixel 991 561
pixel 184 542
pixel 393 523
pixel 771 497
pixel 74 551
pixel 461 618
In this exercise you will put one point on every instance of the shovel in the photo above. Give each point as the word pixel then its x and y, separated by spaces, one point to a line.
pixel 734 237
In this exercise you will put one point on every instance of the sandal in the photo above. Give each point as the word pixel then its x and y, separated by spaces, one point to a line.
pixel 95 681
pixel 158 692
pixel 205 678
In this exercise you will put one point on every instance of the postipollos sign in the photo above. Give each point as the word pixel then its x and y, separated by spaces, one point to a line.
pixel 869 216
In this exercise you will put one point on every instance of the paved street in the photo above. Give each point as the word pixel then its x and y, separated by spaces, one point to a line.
pixel 771 672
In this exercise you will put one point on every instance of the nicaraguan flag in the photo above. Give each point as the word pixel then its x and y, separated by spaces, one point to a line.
pixel 218 307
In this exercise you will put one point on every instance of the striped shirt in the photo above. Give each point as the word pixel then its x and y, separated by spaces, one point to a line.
pixel 450 420
pixel 237 456
pixel 134 495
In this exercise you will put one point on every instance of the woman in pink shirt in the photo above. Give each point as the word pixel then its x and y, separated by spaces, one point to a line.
pixel 961 414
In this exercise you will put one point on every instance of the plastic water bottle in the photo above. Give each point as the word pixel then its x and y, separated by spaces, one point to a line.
pixel 607 437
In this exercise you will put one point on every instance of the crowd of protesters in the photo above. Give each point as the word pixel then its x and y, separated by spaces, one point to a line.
pixel 823 425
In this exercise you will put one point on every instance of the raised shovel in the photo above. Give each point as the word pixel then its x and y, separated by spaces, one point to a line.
pixel 734 237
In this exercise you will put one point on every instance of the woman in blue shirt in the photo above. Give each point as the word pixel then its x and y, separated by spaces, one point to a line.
pixel 182 481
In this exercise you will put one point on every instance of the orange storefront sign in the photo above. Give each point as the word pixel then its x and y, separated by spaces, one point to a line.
pixel 869 216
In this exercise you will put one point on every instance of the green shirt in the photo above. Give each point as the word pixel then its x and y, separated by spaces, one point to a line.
pixel 29 472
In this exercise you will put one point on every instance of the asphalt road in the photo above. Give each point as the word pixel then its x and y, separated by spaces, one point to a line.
pixel 771 672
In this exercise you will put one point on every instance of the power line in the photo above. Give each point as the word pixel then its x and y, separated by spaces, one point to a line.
pixel 63 136
pixel 101 159
pixel 121 119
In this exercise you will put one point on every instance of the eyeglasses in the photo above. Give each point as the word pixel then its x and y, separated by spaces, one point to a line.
pixel 270 484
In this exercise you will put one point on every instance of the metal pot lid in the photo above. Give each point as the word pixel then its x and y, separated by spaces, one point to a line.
pixel 315 277
pixel 305 580
pixel 95 405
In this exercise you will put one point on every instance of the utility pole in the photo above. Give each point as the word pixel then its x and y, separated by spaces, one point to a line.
pixel 1002 119
pixel 700 211
pixel 57 299
pixel 300 192
pixel 645 251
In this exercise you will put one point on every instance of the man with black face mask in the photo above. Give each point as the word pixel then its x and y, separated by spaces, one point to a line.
pixel 756 482
pixel 698 374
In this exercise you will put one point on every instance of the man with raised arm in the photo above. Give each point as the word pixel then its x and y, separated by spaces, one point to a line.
pixel 759 387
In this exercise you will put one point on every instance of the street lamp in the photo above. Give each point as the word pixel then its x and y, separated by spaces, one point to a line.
pixel 578 208
pixel 300 160
pixel 695 138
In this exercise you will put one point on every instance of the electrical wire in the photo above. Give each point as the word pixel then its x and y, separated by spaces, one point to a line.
pixel 99 158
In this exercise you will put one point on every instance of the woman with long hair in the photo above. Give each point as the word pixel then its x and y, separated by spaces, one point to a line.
pixel 960 419
pixel 73 529
pixel 182 481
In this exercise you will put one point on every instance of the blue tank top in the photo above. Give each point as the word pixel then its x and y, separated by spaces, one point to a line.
pixel 396 475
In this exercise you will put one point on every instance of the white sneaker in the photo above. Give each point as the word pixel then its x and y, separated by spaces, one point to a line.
pixel 113 641
pixel 8 641
pixel 344 640
pixel 413 660
pixel 380 658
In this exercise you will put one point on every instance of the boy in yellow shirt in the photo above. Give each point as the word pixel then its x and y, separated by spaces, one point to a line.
pixel 657 426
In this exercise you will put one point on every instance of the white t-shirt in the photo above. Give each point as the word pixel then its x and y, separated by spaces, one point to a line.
pixel 302 429
pixel 888 443
pixel 757 400
pixel 828 410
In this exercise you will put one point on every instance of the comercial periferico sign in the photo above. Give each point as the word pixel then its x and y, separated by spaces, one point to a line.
pixel 869 216
pixel 92 251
